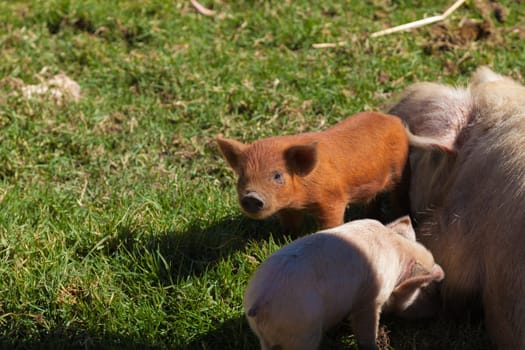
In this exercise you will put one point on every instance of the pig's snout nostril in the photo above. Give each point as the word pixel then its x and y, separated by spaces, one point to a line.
pixel 252 203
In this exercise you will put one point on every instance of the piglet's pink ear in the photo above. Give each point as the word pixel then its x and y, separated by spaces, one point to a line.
pixel 301 159
pixel 419 277
pixel 231 151
pixel 403 226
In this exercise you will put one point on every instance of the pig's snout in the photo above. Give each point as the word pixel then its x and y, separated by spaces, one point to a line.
pixel 252 202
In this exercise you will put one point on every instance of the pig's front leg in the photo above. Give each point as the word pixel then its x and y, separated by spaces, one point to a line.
pixel 331 214
pixel 365 322
pixel 291 221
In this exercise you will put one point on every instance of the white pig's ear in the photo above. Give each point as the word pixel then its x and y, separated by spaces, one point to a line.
pixel 418 277
pixel 301 159
pixel 403 226
pixel 232 151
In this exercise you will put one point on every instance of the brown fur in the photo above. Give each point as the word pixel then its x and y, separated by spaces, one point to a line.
pixel 470 202
pixel 319 172
pixel 357 269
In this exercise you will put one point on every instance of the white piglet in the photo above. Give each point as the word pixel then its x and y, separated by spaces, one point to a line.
pixel 357 269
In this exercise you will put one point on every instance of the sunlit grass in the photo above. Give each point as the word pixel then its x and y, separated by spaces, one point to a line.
pixel 119 226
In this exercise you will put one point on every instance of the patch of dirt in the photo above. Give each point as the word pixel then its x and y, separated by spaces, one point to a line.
pixel 383 77
pixel 111 124
pixel 445 36
pixel 488 8
pixel 11 83
pixel 518 30
pixel 59 88
pixel 179 148
pixel 501 13
pixel 177 48
pixel 115 123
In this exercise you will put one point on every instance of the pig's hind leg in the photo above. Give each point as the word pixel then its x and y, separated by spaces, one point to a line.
pixel 365 323
pixel 399 197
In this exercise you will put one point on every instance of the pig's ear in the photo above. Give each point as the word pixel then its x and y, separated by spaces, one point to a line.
pixel 418 277
pixel 407 298
pixel 403 226
pixel 231 151
pixel 301 159
pixel 427 142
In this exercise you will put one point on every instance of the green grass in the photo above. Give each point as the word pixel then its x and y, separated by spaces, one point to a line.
pixel 119 226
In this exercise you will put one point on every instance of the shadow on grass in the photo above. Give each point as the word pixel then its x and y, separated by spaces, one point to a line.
pixel 60 338
pixel 197 249
pixel 436 334
pixel 231 334
pixel 189 253
pixel 236 334
pixel 200 247
pixel 394 333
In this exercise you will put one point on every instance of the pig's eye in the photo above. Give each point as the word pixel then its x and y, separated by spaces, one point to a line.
pixel 278 177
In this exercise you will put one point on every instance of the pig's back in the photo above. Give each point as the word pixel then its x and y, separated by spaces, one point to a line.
pixel 491 180
pixel 365 154
pixel 482 214
pixel 329 267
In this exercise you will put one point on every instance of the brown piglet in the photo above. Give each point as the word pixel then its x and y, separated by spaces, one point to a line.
pixel 319 172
